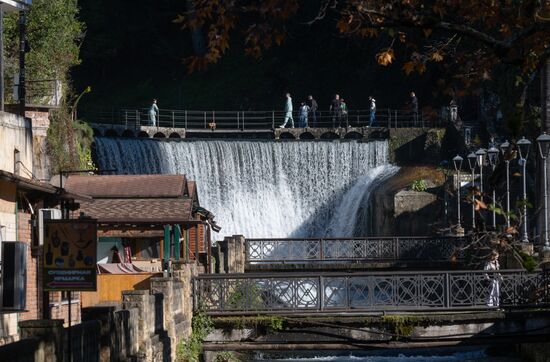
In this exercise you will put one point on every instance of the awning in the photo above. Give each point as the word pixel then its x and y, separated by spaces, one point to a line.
pixel 118 268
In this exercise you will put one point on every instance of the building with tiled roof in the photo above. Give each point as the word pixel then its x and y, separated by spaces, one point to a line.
pixel 137 214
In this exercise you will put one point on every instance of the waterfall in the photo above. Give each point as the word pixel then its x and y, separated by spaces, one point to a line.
pixel 263 188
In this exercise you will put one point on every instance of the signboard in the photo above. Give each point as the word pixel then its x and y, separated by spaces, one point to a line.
pixel 69 255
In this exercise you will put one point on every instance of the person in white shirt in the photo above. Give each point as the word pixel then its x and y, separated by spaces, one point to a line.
pixel 288 112
pixel 372 109
pixel 494 280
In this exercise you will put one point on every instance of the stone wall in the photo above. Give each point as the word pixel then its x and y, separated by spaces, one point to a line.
pixel 146 326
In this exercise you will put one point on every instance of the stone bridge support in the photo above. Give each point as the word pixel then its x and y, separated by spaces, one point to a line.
pixel 230 255
pixel 330 133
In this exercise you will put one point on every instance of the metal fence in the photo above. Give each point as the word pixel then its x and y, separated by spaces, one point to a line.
pixel 253 120
pixel 375 291
pixel 353 249
pixel 42 92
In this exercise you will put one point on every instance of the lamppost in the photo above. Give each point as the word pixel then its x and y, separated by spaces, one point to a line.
pixel 493 159
pixel 472 163
pixel 457 161
pixel 544 148
pixel 481 155
pixel 504 147
pixel 523 147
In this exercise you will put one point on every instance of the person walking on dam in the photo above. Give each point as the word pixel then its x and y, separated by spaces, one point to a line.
pixel 153 113
pixel 288 112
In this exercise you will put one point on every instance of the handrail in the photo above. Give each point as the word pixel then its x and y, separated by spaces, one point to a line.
pixel 334 292
pixel 352 249
pixel 266 119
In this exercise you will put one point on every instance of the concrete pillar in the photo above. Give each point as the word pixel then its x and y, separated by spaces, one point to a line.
pixel 164 287
pixel 144 321
pixel 233 249
pixel 50 333
pixel 107 331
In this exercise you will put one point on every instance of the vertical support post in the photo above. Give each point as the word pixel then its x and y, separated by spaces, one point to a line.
pixel 204 116
pixel 177 236
pixel 1 58
pixel 447 290
pixel 69 337
pixel 507 193
pixel 272 119
pixel 458 199
pixel 321 249
pixel 395 119
pixel 473 201
pixel 321 294
pixel 185 119
pixel 196 243
pixel 166 248
pixel 237 119
pixel 546 243
pixel 22 49
pixel 173 120
pixel 138 122
pixel 525 237
pixel 187 244
pixel 243 120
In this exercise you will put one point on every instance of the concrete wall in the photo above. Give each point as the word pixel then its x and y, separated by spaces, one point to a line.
pixel 16 133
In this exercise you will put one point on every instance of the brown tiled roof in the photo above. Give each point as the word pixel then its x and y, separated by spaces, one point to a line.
pixel 117 210
pixel 125 186
pixel 192 188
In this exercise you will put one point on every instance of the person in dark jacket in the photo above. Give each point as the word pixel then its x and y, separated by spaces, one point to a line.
pixel 312 103
pixel 336 110
pixel 414 108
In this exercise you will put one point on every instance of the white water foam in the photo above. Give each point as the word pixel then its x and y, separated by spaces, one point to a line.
pixel 264 188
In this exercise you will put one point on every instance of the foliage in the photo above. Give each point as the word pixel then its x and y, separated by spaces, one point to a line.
pixel 244 296
pixel 54 35
pixel 190 350
pixel 472 40
pixel 271 323
pixel 69 141
pixel 419 185
pixel 401 325
pixel 226 356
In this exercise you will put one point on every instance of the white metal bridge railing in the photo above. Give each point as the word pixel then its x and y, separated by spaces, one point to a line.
pixel 250 120
pixel 266 251
pixel 287 293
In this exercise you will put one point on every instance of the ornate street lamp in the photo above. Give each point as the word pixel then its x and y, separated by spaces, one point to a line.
pixel 504 147
pixel 481 155
pixel 493 159
pixel 457 161
pixel 523 147
pixel 472 163
pixel 544 149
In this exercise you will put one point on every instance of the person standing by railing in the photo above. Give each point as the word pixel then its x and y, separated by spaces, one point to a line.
pixel 153 113
pixel 304 110
pixel 414 108
pixel 288 112
pixel 344 115
pixel 494 280
pixel 372 110
pixel 312 103
pixel 335 110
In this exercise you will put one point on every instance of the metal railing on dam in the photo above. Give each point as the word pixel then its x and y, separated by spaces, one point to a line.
pixel 256 120
pixel 288 293
pixel 271 251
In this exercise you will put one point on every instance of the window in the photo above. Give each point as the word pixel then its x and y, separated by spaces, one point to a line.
pixel 65 296
pixel 145 248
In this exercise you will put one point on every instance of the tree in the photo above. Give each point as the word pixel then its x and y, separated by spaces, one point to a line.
pixel 54 34
pixel 473 42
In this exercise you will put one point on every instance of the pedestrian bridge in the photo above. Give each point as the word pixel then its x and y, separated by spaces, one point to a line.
pixel 387 291
pixel 176 124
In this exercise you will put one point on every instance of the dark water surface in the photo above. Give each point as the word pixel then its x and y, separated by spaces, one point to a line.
pixel 464 354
